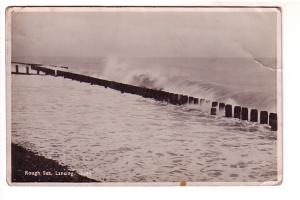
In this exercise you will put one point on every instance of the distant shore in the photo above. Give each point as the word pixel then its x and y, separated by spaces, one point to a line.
pixel 27 166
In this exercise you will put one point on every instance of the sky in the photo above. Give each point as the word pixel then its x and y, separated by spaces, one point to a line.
pixel 145 33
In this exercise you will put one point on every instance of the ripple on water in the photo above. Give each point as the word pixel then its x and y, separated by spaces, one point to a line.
pixel 234 175
pixel 159 154
pixel 215 173
pixel 125 132
pixel 171 154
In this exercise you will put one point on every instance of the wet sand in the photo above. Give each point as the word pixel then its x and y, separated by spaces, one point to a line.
pixel 29 167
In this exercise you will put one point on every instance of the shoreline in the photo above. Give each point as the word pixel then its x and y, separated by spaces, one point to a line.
pixel 27 166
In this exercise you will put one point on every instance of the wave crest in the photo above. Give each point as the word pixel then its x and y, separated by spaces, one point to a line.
pixel 179 80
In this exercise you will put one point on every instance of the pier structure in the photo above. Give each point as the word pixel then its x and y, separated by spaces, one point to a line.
pixel 229 110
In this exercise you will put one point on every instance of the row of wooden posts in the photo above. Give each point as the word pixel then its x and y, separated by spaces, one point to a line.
pixel 243 114
pixel 172 98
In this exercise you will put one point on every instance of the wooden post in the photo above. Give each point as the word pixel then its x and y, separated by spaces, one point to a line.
pixel 191 100
pixel 196 100
pixel 213 111
pixel 244 113
pixel 166 96
pixel 37 72
pixel 185 99
pixel 263 117
pixel 176 96
pixel 253 115
pixel 17 69
pixel 237 112
pixel 160 95
pixel 170 97
pixel 181 99
pixel 273 121
pixel 214 104
pixel 221 106
pixel 173 98
pixel 228 110
pixel 145 93
pixel 27 70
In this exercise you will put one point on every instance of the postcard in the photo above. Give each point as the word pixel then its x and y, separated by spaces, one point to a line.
pixel 156 96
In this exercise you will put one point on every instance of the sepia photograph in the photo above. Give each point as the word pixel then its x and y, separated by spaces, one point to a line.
pixel 144 95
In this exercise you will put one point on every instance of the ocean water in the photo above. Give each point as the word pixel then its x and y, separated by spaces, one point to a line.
pixel 126 138
pixel 238 81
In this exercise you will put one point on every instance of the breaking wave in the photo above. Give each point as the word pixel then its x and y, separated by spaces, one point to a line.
pixel 178 80
pixel 224 80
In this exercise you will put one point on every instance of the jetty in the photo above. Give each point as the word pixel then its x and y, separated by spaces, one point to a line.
pixel 230 111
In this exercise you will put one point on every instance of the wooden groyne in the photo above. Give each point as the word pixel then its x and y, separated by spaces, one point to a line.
pixel 176 99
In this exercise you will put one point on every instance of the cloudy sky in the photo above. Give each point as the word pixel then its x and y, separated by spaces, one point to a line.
pixel 146 33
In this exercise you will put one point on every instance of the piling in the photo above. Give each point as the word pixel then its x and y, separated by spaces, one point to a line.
pixel 196 100
pixel 244 113
pixel 155 94
pixel 183 99
pixel 166 96
pixel 237 112
pixel 60 73
pixel 228 110
pixel 159 95
pixel 263 117
pixel 253 115
pixel 221 106
pixel 170 97
pixel 145 93
pixel 273 121
pixel 173 98
pixel 191 100
pixel 214 104
pixel 176 96
pixel 213 111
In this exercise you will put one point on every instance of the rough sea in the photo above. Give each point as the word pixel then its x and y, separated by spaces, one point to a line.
pixel 117 137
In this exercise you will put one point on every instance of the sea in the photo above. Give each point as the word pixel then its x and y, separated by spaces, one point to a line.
pixel 115 137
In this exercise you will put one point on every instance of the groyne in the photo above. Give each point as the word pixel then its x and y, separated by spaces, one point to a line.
pixel 228 110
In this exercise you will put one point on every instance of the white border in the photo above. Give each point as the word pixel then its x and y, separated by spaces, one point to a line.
pixel 11 10
pixel 291 73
